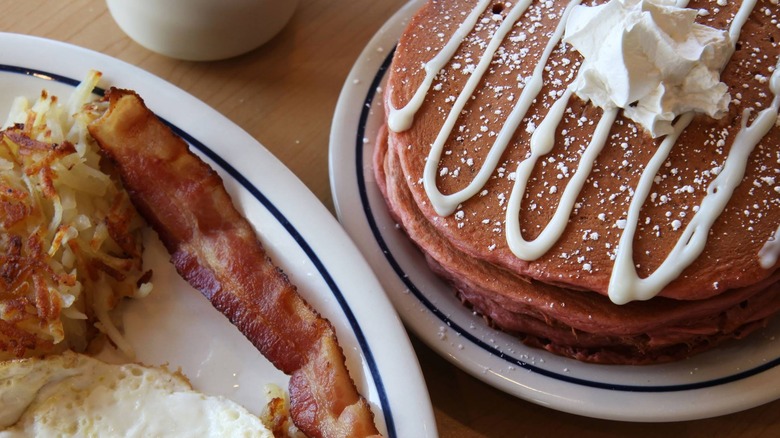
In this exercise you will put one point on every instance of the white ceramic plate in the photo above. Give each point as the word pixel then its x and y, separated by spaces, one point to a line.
pixel 736 376
pixel 176 325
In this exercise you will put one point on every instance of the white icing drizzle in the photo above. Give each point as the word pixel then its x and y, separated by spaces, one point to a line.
pixel 770 252
pixel 400 120
pixel 740 19
pixel 446 204
pixel 625 284
pixel 542 141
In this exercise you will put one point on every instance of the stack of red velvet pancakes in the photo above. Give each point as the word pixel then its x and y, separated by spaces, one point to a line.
pixel 601 180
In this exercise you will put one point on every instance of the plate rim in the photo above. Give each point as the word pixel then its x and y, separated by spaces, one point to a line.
pixel 382 377
pixel 346 168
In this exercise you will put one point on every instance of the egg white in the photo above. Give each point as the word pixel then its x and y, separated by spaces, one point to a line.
pixel 76 395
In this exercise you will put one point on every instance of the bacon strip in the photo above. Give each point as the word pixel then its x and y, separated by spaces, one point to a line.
pixel 216 250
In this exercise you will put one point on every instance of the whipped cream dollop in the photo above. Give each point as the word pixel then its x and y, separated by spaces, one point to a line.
pixel 650 58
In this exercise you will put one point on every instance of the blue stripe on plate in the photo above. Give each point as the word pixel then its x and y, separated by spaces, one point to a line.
pixel 279 216
pixel 405 278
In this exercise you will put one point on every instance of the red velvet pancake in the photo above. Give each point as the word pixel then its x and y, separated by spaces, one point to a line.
pixel 559 300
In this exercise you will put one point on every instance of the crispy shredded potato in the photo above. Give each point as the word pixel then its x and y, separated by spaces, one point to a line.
pixel 276 415
pixel 70 240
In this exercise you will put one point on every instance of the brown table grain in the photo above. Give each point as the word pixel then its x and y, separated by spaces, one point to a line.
pixel 284 94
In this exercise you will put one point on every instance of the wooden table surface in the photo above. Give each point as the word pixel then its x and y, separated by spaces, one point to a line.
pixel 284 94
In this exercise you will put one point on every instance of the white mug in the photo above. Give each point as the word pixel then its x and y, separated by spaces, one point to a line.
pixel 201 30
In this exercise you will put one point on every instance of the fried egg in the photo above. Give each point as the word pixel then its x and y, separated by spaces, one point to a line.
pixel 76 395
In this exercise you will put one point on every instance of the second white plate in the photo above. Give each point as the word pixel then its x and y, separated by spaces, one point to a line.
pixel 734 377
